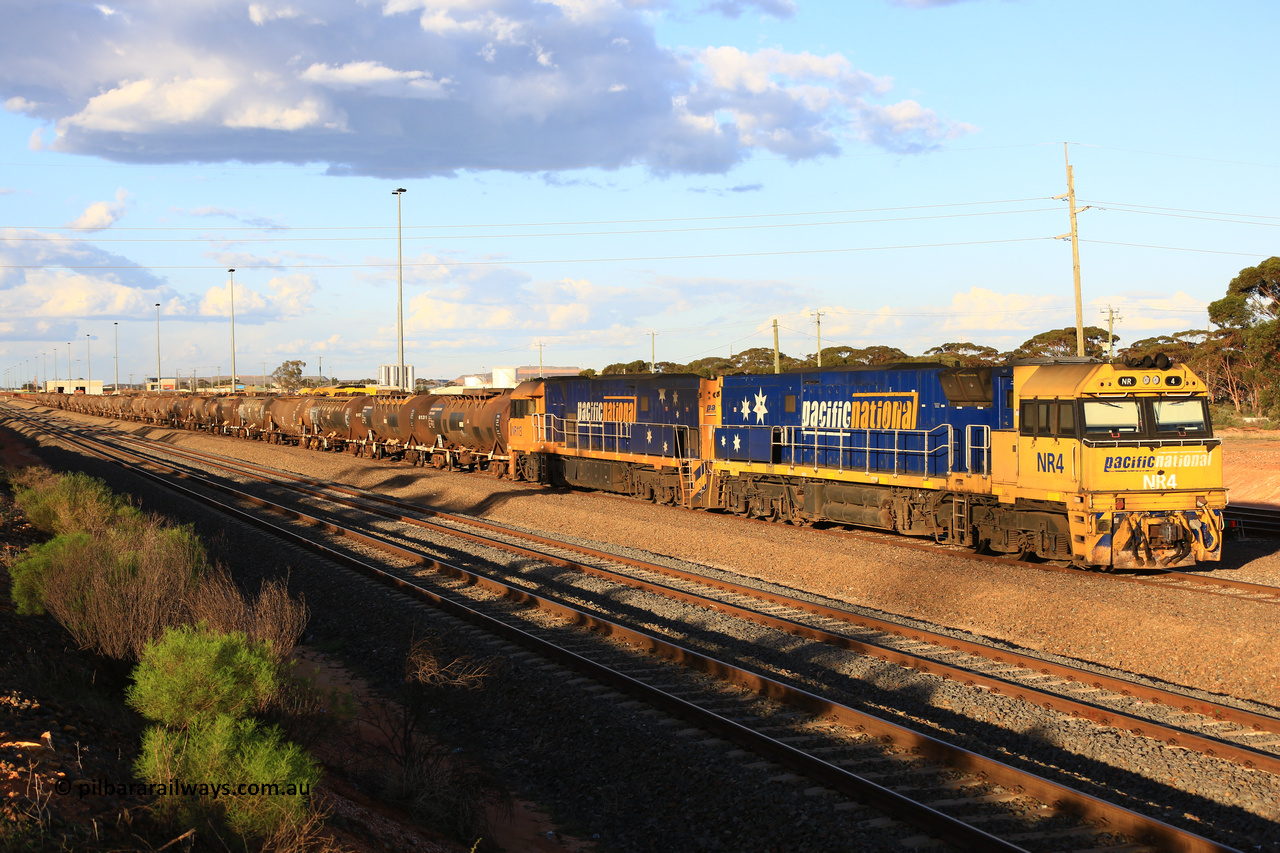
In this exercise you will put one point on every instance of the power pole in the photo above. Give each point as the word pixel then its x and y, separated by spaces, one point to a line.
pixel 540 346
pixel 1112 316
pixel 777 364
pixel 1075 246
pixel 817 315
pixel 653 352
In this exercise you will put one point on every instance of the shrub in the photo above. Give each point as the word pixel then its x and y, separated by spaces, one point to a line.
pixel 65 503
pixel 115 590
pixel 31 572
pixel 193 674
pixel 230 772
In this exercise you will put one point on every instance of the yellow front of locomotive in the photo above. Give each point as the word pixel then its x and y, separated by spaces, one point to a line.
pixel 1151 469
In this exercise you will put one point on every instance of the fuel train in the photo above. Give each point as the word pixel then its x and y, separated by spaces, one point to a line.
pixel 1103 465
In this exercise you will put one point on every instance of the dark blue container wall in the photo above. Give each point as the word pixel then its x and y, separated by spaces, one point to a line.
pixel 610 413
pixel 890 418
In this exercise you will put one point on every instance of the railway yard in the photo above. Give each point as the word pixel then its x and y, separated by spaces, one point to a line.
pixel 1115 692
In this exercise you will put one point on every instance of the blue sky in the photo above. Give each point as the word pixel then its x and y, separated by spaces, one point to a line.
pixel 581 173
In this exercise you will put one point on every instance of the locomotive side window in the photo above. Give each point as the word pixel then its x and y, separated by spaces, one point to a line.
pixel 790 403
pixel 521 408
pixel 1066 419
pixel 644 404
pixel 1027 418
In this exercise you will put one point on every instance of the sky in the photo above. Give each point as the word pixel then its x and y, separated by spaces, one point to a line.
pixel 596 181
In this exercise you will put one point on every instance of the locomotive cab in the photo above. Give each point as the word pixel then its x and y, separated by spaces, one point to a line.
pixel 1131 453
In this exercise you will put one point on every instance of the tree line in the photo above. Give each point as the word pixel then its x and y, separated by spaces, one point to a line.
pixel 1237 354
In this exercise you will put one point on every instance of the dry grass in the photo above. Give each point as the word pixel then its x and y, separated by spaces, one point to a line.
pixel 116 579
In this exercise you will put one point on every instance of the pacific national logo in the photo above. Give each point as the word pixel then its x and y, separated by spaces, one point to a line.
pixel 1146 462
pixel 896 410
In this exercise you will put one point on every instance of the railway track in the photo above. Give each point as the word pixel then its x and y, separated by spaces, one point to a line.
pixel 788 614
pixel 1213 728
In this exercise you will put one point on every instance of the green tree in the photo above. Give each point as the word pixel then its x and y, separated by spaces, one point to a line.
pixel 638 366
pixel 965 354
pixel 289 375
pixel 1062 342
pixel 1248 327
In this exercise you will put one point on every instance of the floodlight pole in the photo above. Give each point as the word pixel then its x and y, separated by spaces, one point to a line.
pixel 399 290
pixel 159 381
pixel 233 330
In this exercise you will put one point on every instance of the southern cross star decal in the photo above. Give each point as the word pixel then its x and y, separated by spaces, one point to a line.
pixel 664 448
pixel 648 436
pixel 722 441
pixel 746 408
pixel 760 408
pixel 662 395
pixel 675 398
pixel 737 443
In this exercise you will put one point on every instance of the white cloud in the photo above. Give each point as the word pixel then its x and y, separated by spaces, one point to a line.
pixel 376 77
pixel 432 86
pixel 289 298
pixel 260 14
pixel 101 214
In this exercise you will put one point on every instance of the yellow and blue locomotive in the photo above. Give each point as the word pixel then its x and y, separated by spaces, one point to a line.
pixel 1103 465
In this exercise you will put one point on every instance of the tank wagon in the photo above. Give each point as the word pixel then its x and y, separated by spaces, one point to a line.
pixel 1101 465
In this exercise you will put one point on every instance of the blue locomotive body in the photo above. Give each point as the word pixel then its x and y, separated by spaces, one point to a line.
pixel 627 414
pixel 922 419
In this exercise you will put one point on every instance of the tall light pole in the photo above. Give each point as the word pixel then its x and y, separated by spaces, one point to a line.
pixel 399 289
pixel 159 384
pixel 117 358
pixel 44 361
pixel 233 330
pixel 88 369
pixel 68 361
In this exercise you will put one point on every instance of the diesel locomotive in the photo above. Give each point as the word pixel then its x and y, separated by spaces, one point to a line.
pixel 1103 465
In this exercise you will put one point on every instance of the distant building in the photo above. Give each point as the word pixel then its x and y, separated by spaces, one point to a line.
pixel 74 386
pixel 533 372
pixel 391 375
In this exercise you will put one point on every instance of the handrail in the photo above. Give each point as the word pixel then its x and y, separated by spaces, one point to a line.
pixel 794 441
pixel 606 435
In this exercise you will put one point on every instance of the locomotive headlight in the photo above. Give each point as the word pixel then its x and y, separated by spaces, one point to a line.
pixel 1104 524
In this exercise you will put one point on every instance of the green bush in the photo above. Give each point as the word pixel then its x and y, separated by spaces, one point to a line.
pixel 66 503
pixel 32 572
pixel 230 772
pixel 192 674
pixel 115 590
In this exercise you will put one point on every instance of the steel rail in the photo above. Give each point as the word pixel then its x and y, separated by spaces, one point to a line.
pixel 1084 806
pixel 1139 726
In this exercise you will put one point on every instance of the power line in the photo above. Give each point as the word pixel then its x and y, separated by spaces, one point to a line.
pixel 51 239
pixel 433 264
pixel 548 224
pixel 1175 248
pixel 1181 209
pixel 1184 216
